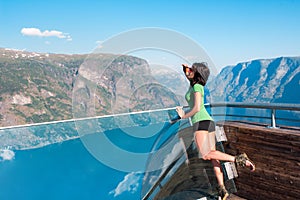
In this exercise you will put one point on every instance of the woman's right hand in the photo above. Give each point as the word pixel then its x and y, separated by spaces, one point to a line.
pixel 180 111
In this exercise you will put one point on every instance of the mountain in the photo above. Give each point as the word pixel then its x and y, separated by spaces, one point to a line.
pixel 266 81
pixel 36 87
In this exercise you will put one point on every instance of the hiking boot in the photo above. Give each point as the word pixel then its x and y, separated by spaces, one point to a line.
pixel 242 159
pixel 223 193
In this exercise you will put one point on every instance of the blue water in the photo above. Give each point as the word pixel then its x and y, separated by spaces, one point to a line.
pixel 68 170
pixel 58 171
pixel 43 163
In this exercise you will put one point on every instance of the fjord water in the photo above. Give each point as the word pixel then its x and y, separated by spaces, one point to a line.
pixel 52 162
pixel 66 170
pixel 58 171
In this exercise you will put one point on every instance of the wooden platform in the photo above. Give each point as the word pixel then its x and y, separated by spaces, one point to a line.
pixel 276 153
pixel 193 180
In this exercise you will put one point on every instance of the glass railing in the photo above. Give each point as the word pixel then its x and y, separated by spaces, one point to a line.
pixel 272 114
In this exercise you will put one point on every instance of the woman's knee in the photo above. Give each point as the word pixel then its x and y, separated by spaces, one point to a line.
pixel 206 157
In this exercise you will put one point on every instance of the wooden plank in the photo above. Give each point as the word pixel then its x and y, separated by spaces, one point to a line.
pixel 261 191
pixel 276 153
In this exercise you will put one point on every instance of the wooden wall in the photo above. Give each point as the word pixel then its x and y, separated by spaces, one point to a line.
pixel 276 153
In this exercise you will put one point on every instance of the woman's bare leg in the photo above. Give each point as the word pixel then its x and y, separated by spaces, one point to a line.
pixel 218 172
pixel 206 144
pixel 207 149
pixel 218 155
pixel 209 152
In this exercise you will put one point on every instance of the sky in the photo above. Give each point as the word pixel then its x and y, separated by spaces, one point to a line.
pixel 230 31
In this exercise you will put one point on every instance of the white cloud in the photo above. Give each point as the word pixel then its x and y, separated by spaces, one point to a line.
pixel 46 33
pixel 6 154
pixel 130 184
pixel 99 44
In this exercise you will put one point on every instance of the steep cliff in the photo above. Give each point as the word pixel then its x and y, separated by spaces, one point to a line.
pixel 265 80
pixel 49 87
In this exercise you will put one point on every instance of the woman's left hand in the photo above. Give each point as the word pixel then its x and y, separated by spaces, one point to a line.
pixel 180 111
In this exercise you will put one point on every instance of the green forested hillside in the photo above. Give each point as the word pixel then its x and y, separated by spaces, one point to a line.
pixel 36 88
pixel 49 87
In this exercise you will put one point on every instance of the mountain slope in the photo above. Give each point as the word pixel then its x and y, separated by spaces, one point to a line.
pixel 36 87
pixel 49 87
pixel 265 80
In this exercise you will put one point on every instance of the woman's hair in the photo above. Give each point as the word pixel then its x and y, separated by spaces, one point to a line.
pixel 201 73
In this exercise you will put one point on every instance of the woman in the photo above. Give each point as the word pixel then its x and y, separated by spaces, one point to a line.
pixel 204 125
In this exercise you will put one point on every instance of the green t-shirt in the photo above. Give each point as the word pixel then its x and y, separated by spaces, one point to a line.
pixel 202 114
